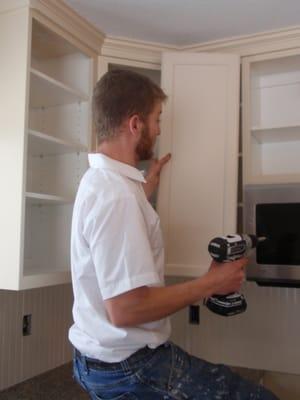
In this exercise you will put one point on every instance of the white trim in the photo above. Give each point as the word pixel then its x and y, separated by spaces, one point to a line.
pixel 64 16
pixel 246 45
pixel 68 19
pixel 258 43
pixel 105 61
pixel 137 50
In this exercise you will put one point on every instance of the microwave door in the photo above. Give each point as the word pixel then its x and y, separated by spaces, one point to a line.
pixel 276 260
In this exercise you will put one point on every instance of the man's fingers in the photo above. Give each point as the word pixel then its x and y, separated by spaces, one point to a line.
pixel 164 160
pixel 242 263
pixel 157 165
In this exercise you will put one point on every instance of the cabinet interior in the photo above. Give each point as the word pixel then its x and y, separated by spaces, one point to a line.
pixel 275 118
pixel 155 76
pixel 47 237
pixel 58 140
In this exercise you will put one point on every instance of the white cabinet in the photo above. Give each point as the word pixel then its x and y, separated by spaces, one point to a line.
pixel 198 190
pixel 197 197
pixel 47 76
pixel 271 138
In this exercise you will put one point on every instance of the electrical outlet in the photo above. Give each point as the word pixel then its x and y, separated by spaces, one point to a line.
pixel 27 325
pixel 194 314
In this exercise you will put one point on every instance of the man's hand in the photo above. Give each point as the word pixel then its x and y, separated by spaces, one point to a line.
pixel 228 277
pixel 153 174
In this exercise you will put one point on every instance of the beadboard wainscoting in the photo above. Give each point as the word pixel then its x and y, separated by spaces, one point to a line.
pixel 23 357
pixel 265 337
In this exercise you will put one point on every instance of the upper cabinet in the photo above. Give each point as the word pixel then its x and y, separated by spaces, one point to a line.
pixel 47 77
pixel 197 197
pixel 271 129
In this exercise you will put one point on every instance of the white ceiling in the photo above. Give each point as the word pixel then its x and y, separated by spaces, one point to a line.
pixel 184 22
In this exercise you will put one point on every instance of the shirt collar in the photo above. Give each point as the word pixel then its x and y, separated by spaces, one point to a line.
pixel 98 160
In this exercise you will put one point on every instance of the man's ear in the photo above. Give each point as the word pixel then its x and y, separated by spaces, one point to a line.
pixel 135 125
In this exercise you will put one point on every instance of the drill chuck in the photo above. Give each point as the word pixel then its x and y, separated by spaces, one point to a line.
pixel 231 247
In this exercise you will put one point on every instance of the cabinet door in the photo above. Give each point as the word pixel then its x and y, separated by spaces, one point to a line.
pixel 197 197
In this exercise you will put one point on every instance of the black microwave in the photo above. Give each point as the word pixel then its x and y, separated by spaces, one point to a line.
pixel 273 212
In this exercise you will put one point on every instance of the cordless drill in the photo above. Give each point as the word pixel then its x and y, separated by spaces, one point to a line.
pixel 225 249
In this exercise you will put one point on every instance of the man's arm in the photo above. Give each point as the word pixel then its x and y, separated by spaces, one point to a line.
pixel 147 304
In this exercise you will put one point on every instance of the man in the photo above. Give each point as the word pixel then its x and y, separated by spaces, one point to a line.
pixel 121 306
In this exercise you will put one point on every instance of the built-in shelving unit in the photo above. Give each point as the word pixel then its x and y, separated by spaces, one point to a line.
pixel 272 128
pixel 48 71
pixel 58 138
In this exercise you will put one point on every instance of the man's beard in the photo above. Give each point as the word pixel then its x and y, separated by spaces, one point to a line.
pixel 144 149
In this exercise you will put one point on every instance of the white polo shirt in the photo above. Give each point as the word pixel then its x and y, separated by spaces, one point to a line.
pixel 116 246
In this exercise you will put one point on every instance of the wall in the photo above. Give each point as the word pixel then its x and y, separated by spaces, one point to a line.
pixel 249 342
pixel 266 336
pixel 23 357
pixel 215 338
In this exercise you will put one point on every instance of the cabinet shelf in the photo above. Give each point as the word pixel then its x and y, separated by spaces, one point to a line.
pixel 268 179
pixel 32 277
pixel 35 270
pixel 46 199
pixel 48 92
pixel 276 85
pixel 42 143
pixel 276 134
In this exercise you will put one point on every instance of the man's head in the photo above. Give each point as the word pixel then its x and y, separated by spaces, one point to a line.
pixel 123 96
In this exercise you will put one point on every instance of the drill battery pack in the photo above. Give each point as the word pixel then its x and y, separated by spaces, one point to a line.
pixel 228 305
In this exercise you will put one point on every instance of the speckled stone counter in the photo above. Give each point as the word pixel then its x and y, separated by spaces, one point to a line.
pixel 57 384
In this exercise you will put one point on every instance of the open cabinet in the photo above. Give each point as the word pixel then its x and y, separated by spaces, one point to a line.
pixel 46 136
pixel 271 118
pixel 152 72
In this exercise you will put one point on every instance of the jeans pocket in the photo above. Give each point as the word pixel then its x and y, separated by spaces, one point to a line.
pixel 77 375
pixel 124 396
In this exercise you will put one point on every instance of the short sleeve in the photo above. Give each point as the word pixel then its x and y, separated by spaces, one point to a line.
pixel 118 240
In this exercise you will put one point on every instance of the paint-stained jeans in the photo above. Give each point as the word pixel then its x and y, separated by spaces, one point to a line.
pixel 166 373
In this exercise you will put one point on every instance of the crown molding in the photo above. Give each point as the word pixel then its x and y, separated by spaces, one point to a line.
pixel 63 16
pixel 252 44
pixel 67 18
pixel 246 45
pixel 135 50
pixel 149 52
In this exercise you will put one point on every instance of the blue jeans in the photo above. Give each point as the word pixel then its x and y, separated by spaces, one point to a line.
pixel 166 373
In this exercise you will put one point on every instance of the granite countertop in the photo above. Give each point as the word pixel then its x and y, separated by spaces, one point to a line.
pixel 56 384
